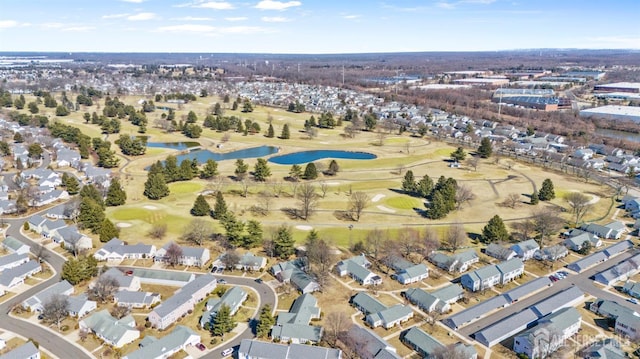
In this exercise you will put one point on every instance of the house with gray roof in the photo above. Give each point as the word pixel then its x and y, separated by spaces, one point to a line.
pixel 367 304
pixel 8 206
pixel 294 325
pixel 183 300
pixel 475 312
pixel 505 328
pixel 526 249
pixel 357 268
pixel 455 263
pixel 632 288
pixel 26 351
pixel 80 305
pixel 450 293
pixel 527 288
pixel 551 253
pixel 427 346
pixel 251 262
pixel 12 277
pixel 71 238
pixel 621 271
pixel 116 250
pixel 49 197
pixel 35 223
pixel 427 302
pixel 163 277
pixel 114 332
pixel 12 260
pixel 481 279
pixel 605 349
pixel 412 274
pixel 610 309
pixel 510 270
pixel 232 298
pixel 549 334
pixel 125 282
pixel 179 339
pixel 370 345
pixel 294 272
pixel 13 245
pixel 191 256
pixel 499 252
pixel 66 157
pixel 613 230
pixel 130 299
pixel 389 317
pixel 35 302
pixel 255 349
pixel 587 262
pixel 618 248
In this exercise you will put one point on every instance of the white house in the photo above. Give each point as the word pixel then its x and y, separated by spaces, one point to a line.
pixel 526 249
pixel 191 256
pixel 152 348
pixel 114 332
pixel 549 334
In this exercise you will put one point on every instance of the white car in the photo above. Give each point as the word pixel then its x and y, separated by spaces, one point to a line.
pixel 227 352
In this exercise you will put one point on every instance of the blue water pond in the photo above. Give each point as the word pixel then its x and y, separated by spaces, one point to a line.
pixel 297 158
pixel 203 155
pixel 173 145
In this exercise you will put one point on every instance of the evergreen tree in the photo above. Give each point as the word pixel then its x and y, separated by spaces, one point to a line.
pixel 254 234
pixel 186 170
pixel 547 192
pixel 495 230
pixel 285 135
pixel 310 171
pixel 459 154
pixel 409 182
pixel 116 196
pixel 171 169
pixel 241 170
pixel 80 269
pixel 295 173
pixel 108 231
pixel 271 131
pixel 424 187
pixel 265 322
pixel 192 117
pixel 220 207
pixel 90 191
pixel 223 322
pixel 156 187
pixel 91 215
pixel 438 208
pixel 333 168
pixel 209 170
pixel 70 183
pixel 233 229
pixel 284 244
pixel 534 198
pixel 261 170
pixel 485 150
pixel 200 207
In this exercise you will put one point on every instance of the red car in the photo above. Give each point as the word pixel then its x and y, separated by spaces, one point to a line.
pixel 201 346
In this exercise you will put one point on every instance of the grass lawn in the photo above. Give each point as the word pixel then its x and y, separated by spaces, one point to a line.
pixel 402 349
pixel 91 343
pixel 164 291
pixel 285 300
pixel 403 202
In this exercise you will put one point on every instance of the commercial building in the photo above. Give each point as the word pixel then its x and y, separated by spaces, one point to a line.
pixel 629 87
pixel 613 112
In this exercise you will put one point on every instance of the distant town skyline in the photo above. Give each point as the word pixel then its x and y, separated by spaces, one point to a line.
pixel 315 27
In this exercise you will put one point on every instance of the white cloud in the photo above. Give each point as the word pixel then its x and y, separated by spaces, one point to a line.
pixel 134 1
pixel 445 5
pixel 142 16
pixel 351 17
pixel 212 30
pixel 5 24
pixel 187 28
pixel 192 18
pixel 115 16
pixel 274 19
pixel 276 5
pixel 79 28
pixel 242 30
pixel 215 5
pixel 237 18
pixel 52 25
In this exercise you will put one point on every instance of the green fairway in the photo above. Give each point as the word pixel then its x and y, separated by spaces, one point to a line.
pixel 403 202
pixel 185 187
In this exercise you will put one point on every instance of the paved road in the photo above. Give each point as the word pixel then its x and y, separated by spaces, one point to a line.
pixel 57 346
pixel 580 280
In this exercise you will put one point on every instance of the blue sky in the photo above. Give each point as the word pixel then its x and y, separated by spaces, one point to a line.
pixel 313 26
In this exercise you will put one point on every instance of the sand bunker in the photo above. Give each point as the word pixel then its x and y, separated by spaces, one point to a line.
pixel 386 209
pixel 123 225
pixel 378 197
pixel 304 228
pixel 150 207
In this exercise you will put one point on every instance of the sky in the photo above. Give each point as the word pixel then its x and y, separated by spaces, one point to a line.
pixel 316 26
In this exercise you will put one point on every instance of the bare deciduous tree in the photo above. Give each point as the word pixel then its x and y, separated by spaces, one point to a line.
pixel 336 324
pixel 265 199
pixel 464 194
pixel 512 200
pixel 173 254
pixel 307 199
pixel 120 312
pixel 408 240
pixel 547 221
pixel 246 183
pixel 276 187
pixel 230 259
pixel 524 229
pixel 373 242
pixel 103 289
pixel 580 204
pixel 324 187
pixel 358 201
pixel 473 162
pixel 55 309
pixel 197 231
pixel 40 252
pixel 455 237
pixel 430 242
pixel 158 230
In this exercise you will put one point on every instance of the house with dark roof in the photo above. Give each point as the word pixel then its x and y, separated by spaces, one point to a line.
pixel 427 302
pixel 294 272
pixel 153 348
pixel 367 304
pixel 551 253
pixel 499 252
pixel 191 256
pixel 632 288
pixel 455 263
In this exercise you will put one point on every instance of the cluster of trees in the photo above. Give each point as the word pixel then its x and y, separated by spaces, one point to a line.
pixel 296 107
pixel 70 183
pixel 91 209
pixel 266 321
pixel 310 172
pixel 186 97
pixel 223 322
pixel 72 134
pixel 135 146
pixel 444 196
pixel 29 120
pixel 106 157
pixel 77 270
pixel 107 125
pixel 495 231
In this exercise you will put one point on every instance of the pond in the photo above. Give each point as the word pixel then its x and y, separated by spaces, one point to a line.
pixel 622 135
pixel 203 155
pixel 173 145
pixel 297 158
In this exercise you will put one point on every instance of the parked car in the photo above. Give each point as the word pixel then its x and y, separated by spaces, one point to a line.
pixel 258 280
pixel 553 278
pixel 227 352
pixel 222 281
pixel 633 300
pixel 201 346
